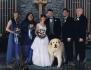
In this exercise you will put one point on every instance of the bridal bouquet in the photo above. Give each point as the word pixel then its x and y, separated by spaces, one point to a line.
pixel 41 33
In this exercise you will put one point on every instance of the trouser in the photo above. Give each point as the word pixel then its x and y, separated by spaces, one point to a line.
pixel 80 50
pixel 68 50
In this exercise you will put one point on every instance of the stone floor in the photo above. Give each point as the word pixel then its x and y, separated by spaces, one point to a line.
pixel 87 66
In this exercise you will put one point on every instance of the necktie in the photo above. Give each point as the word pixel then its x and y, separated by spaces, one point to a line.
pixel 29 32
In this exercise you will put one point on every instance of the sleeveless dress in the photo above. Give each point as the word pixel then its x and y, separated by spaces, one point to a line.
pixel 13 47
pixel 40 50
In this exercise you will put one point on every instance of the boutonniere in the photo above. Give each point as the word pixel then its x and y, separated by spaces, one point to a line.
pixel 55 20
pixel 64 20
pixel 78 18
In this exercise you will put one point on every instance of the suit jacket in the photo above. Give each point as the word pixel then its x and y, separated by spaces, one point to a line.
pixel 56 27
pixel 67 28
pixel 80 27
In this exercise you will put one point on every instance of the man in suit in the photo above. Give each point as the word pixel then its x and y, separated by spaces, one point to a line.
pixel 67 35
pixel 53 25
pixel 80 27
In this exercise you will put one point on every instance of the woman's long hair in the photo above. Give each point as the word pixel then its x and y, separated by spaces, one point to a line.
pixel 43 15
pixel 31 22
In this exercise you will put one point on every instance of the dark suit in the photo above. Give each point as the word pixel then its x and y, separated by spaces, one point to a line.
pixel 56 28
pixel 67 32
pixel 80 27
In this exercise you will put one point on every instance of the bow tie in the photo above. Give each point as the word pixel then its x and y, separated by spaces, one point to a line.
pixel 51 17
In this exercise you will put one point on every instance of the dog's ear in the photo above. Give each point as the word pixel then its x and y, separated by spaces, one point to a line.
pixel 50 43
pixel 59 41
pixel 62 44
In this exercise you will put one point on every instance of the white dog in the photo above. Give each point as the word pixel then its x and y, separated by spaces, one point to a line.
pixel 56 49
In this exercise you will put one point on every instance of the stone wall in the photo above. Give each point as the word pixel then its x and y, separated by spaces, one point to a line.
pixel 25 6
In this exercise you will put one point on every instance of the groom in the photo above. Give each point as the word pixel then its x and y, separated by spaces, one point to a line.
pixel 53 25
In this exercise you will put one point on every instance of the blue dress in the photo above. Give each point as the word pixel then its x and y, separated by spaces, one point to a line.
pixel 28 35
pixel 12 48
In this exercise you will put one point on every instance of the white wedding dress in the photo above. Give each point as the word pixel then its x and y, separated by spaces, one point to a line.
pixel 40 50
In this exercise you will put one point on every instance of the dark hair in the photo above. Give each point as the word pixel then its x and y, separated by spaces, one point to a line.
pixel 29 13
pixel 43 15
pixel 65 9
pixel 50 10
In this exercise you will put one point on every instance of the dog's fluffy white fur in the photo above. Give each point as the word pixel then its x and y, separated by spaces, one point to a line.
pixel 56 49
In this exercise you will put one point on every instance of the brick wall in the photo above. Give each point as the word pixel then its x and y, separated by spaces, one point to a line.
pixel 25 6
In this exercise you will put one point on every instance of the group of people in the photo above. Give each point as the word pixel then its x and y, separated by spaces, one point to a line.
pixel 25 37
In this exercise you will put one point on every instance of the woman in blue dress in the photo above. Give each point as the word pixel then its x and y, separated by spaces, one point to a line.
pixel 12 48
pixel 27 36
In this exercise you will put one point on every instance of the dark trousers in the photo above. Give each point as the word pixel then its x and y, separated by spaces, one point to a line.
pixel 80 50
pixel 68 50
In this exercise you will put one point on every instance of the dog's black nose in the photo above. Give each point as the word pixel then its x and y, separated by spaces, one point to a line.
pixel 55 46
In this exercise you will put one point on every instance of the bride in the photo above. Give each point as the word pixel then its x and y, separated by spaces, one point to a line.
pixel 40 45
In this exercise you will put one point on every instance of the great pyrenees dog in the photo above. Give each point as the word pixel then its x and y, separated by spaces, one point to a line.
pixel 56 49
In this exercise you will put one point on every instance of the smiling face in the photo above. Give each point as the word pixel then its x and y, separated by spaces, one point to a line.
pixel 50 13
pixel 16 14
pixel 55 43
pixel 30 17
pixel 43 18
pixel 65 13
pixel 79 12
